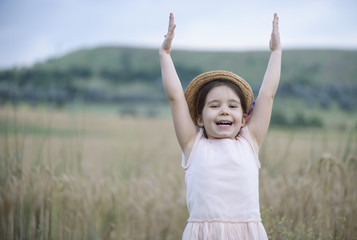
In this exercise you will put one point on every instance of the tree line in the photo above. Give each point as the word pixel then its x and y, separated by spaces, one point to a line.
pixel 320 78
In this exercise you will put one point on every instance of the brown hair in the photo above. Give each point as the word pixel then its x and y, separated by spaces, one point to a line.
pixel 205 89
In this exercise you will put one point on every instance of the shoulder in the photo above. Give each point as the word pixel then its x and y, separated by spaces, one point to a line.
pixel 245 133
pixel 251 146
pixel 190 146
pixel 188 151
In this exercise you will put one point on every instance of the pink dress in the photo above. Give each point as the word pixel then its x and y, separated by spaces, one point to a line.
pixel 222 180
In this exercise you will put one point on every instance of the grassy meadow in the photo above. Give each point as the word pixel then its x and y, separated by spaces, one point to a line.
pixel 78 174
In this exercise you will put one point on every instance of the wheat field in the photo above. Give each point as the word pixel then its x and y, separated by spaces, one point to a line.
pixel 81 175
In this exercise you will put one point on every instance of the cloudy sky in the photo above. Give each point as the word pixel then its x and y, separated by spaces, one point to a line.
pixel 35 30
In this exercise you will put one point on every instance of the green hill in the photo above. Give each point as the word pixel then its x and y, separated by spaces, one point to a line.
pixel 117 74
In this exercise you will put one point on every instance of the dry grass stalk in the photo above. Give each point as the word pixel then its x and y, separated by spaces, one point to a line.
pixel 106 183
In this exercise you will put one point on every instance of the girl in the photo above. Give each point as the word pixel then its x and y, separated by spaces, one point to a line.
pixel 220 147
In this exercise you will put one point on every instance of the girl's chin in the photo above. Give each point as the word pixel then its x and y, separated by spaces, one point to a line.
pixel 222 136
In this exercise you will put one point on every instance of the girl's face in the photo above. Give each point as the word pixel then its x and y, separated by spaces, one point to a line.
pixel 222 115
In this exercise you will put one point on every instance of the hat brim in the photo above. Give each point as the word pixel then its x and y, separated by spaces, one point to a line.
pixel 198 82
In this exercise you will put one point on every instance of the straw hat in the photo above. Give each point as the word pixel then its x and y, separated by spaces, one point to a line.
pixel 199 81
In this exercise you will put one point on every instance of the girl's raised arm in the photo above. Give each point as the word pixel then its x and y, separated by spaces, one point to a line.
pixel 184 127
pixel 259 122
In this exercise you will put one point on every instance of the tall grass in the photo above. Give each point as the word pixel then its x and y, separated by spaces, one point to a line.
pixel 84 176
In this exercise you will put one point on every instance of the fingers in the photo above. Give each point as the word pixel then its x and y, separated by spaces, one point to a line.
pixel 172 26
pixel 276 23
pixel 275 36
pixel 171 20
pixel 166 45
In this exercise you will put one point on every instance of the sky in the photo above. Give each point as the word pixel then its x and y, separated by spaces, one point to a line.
pixel 32 31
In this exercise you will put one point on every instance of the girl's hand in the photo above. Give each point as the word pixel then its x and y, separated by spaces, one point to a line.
pixel 275 36
pixel 166 45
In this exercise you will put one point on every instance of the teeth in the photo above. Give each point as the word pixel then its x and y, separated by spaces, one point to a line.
pixel 224 123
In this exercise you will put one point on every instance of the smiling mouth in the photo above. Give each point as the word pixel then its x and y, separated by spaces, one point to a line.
pixel 224 123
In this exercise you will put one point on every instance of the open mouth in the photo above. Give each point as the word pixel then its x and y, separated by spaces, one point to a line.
pixel 224 123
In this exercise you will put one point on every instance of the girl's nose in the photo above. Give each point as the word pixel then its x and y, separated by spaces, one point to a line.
pixel 224 111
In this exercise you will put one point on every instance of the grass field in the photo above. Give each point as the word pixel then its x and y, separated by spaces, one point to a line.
pixel 84 175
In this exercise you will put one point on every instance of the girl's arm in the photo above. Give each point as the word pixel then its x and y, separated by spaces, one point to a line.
pixel 184 127
pixel 259 122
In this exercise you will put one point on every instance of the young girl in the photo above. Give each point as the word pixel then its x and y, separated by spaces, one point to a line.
pixel 220 147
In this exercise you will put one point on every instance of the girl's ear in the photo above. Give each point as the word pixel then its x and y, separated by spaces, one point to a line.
pixel 199 120
pixel 244 119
